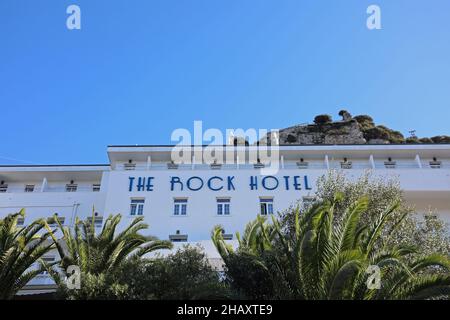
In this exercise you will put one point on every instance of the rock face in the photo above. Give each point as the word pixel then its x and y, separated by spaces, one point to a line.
pixel 360 129
pixel 340 132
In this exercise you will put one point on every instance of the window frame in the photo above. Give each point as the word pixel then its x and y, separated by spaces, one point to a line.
pixel 29 188
pixel 223 207
pixel 180 207
pixel 266 206
pixel 136 207
pixel 71 187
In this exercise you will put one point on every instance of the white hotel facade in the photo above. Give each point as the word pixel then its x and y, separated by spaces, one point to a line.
pixel 184 202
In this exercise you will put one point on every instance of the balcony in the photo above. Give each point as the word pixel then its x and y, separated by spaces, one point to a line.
pixel 38 189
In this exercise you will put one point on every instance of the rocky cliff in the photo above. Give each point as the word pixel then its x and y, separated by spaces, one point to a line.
pixel 350 130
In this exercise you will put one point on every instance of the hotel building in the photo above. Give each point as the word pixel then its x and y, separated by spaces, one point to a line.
pixel 183 202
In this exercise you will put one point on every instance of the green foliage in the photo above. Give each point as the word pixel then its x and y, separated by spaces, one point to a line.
pixel 364 120
pixel 425 140
pixel 324 251
pixel 183 275
pixel 20 249
pixel 428 233
pixel 322 119
pixel 412 140
pixel 99 256
pixel 371 131
pixel 441 139
pixel 246 276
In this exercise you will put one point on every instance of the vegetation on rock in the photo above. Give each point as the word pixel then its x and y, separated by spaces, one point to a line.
pixel 322 119
pixel 360 129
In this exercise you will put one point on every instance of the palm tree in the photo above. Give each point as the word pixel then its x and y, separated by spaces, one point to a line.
pixel 20 249
pixel 329 257
pixel 103 253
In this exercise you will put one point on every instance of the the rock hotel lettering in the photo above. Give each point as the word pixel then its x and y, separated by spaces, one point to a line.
pixel 217 183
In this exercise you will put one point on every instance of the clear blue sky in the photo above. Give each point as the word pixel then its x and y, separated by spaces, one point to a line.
pixel 139 69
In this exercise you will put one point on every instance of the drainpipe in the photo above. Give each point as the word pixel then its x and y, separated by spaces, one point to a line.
pixel 372 162
pixel 74 213
pixel 327 162
pixel 419 163
pixel 44 185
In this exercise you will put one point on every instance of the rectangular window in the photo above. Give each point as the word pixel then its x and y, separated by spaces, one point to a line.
pixel 178 237
pixel 223 207
pixel 53 223
pixel 308 201
pixel 98 221
pixel 180 207
pixel 20 221
pixel 47 260
pixel 71 187
pixel 29 188
pixel 435 164
pixel 3 188
pixel 266 206
pixel 129 166
pixel 95 187
pixel 137 207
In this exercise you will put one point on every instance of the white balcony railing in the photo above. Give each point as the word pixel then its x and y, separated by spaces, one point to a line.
pixel 314 165
pixel 37 189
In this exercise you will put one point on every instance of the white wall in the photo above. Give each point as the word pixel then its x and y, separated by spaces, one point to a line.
pixel 202 217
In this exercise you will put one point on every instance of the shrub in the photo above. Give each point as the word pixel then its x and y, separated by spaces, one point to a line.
pixel 364 119
pixel 183 275
pixel 322 119
pixel 329 246
pixel 425 140
pixel 412 140
pixel 376 133
pixel 441 139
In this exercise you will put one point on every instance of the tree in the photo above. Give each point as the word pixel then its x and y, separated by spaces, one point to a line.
pixel 183 275
pixel 20 249
pixel 326 257
pixel 99 256
pixel 427 232
pixel 247 276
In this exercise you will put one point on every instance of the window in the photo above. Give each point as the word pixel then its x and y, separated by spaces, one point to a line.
pixel 223 207
pixel 95 187
pixel 226 236
pixel 178 237
pixel 71 187
pixel 302 164
pixel 3 187
pixel 389 164
pixel 435 164
pixel 47 260
pixel 308 201
pixel 98 220
pixel 20 221
pixel 53 223
pixel 266 206
pixel 137 207
pixel 346 164
pixel 172 165
pixel 129 166
pixel 180 207
pixel 29 188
